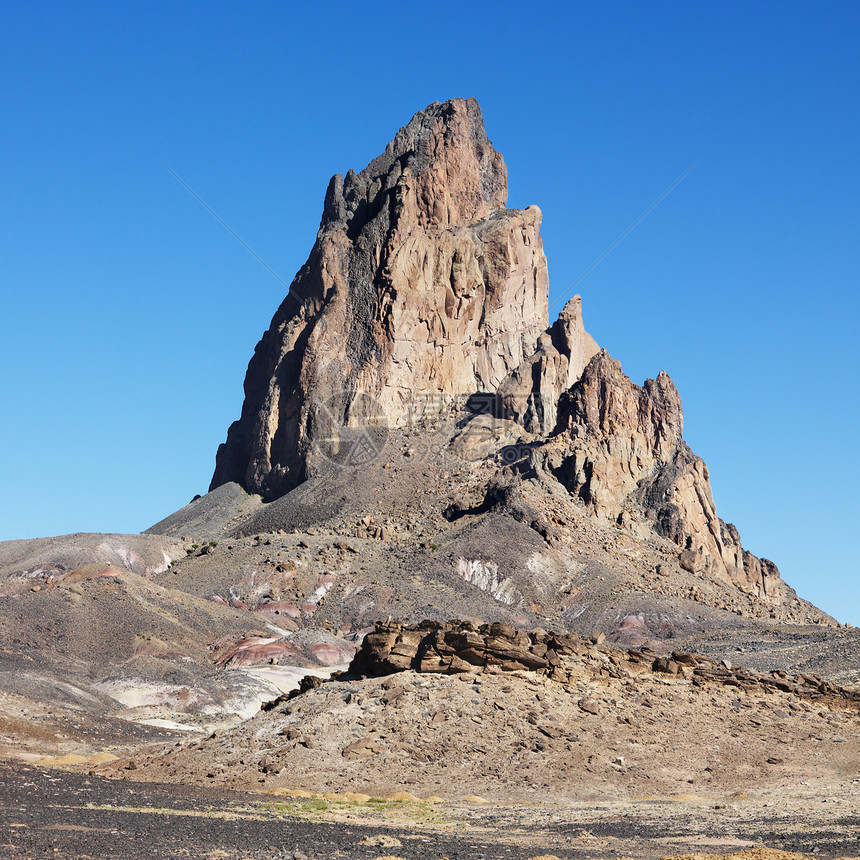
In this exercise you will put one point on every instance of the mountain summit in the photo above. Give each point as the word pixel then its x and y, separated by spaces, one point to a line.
pixel 424 296
pixel 421 285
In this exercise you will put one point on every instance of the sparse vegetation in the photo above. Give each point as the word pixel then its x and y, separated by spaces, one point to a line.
pixel 203 550
pixel 375 807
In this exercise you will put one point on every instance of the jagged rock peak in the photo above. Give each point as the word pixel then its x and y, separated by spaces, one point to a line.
pixel 420 286
pixel 444 151
pixel 530 395
pixel 621 453
pixel 606 403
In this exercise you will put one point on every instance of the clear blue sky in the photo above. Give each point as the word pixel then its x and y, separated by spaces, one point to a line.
pixel 129 313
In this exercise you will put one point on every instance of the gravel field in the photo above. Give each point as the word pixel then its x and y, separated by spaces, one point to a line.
pixel 51 813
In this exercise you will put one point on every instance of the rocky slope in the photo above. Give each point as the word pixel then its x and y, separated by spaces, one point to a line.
pixel 622 453
pixel 527 715
pixel 94 654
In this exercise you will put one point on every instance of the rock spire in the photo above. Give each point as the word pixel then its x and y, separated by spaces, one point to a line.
pixel 420 284
pixel 422 290
pixel 621 453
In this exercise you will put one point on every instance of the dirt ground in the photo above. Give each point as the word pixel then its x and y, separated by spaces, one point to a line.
pixel 52 813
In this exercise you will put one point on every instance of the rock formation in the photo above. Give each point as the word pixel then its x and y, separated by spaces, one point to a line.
pixel 489 709
pixel 621 452
pixel 418 443
pixel 531 393
pixel 421 292
pixel 420 287
pixel 462 647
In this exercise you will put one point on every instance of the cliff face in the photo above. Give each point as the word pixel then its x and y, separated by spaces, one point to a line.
pixel 530 395
pixel 423 289
pixel 420 287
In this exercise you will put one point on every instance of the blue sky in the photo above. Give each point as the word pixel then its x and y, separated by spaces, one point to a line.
pixel 130 313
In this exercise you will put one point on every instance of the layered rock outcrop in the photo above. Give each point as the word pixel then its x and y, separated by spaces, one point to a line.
pixel 421 287
pixel 462 647
pixel 459 646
